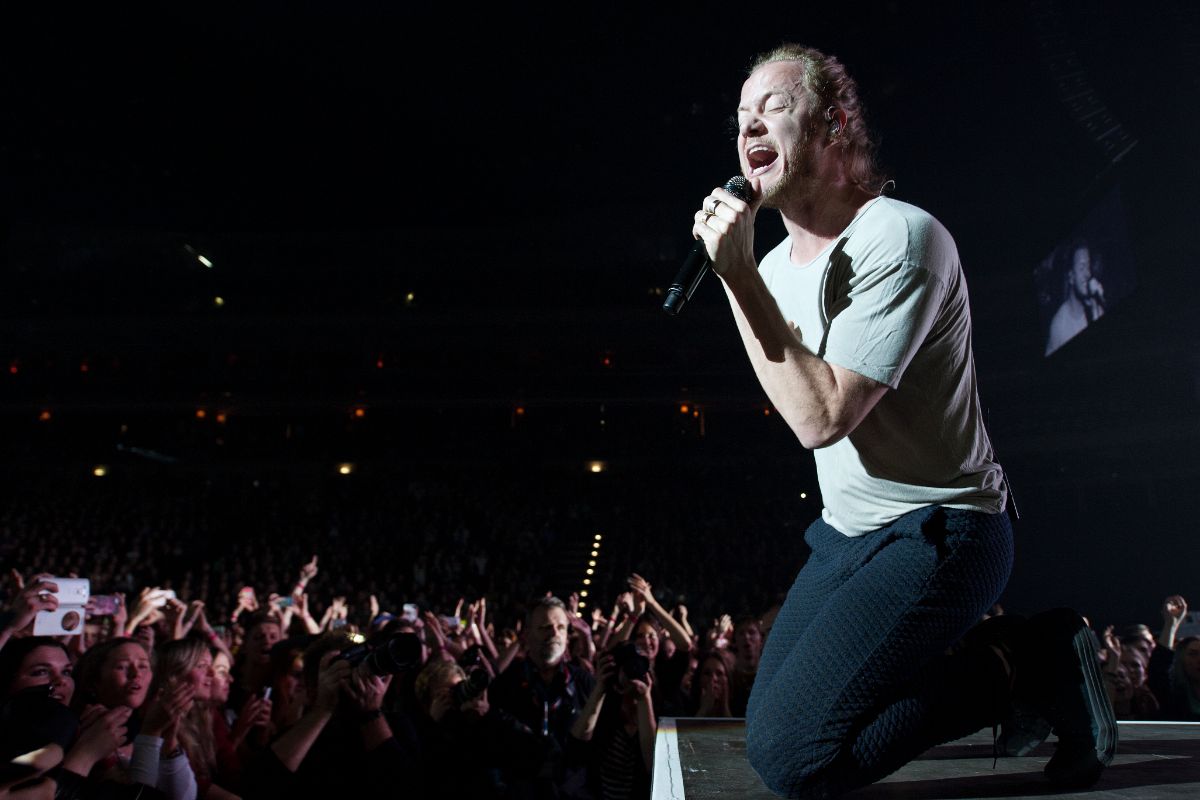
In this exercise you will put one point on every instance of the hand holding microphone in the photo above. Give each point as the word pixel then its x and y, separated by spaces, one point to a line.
pixel 712 223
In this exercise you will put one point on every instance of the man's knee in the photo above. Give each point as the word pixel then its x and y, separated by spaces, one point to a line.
pixel 792 763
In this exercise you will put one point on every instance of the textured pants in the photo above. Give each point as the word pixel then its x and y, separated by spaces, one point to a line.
pixel 854 681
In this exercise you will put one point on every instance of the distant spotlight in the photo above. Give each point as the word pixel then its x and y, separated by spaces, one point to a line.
pixel 596 466
pixel 695 413
pixel 683 408
pixel 595 553
pixel 587 581
pixel 360 412
pixel 100 470
pixel 591 563
pixel 804 495
pixel 201 413
pixel 44 416
pixel 218 301
pixel 345 469
pixel 583 593
pixel 204 261
pixel 582 604
pixel 379 363
pixel 766 412
pixel 357 638
pixel 13 368
pixel 409 298
pixel 597 538
pixel 521 413
pixel 221 417
pixel 590 571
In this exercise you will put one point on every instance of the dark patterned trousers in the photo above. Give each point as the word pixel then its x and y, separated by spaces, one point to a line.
pixel 855 680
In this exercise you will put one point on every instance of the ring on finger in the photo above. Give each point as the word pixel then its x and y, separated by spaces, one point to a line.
pixel 707 216
pixel 716 202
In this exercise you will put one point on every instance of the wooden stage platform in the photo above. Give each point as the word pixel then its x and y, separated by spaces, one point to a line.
pixel 698 759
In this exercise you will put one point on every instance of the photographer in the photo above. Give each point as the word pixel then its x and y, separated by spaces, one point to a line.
pixel 456 718
pixel 618 723
pixel 343 739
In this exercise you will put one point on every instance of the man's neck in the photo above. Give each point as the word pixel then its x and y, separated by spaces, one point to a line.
pixel 817 218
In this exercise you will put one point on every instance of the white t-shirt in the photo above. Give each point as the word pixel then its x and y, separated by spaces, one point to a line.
pixel 888 300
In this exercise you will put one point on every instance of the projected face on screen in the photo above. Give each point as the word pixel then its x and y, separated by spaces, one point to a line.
pixel 1082 295
pixel 1084 275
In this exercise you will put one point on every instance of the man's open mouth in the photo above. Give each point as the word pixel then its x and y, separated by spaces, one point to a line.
pixel 760 158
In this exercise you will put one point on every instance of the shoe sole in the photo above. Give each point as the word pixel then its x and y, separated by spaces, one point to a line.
pixel 1066 773
pixel 1099 708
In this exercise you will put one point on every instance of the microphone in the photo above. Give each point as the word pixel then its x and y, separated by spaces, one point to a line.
pixel 696 265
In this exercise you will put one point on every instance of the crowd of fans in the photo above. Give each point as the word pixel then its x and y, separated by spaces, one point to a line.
pixel 233 682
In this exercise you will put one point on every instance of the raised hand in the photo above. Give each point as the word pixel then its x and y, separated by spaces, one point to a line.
pixel 34 597
pixel 170 704
pixel 175 612
pixel 101 732
pixel 308 571
pixel 333 676
pixel 255 713
pixel 641 588
pixel 366 691
pixel 625 602
pixel 1174 609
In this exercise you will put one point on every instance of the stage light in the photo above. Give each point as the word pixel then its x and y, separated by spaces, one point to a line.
pixel 218 301
pixel 44 416
pixel 595 553
pixel 520 411
pixel 766 412
pixel 360 412
pixel 201 413
pixel 100 470
pixel 591 563
pixel 804 495
pixel 596 467
pixel 379 363
pixel 204 261
pixel 583 593
pixel 597 537
pixel 345 469
pixel 582 604
pixel 590 571
pixel 587 581
pixel 683 408
pixel 221 417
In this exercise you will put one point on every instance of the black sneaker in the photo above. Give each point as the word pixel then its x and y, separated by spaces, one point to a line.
pixel 1067 689
pixel 1022 728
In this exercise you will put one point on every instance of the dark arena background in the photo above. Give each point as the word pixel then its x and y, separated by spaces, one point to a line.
pixel 384 285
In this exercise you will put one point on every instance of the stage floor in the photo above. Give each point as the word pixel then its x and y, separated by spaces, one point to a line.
pixel 698 759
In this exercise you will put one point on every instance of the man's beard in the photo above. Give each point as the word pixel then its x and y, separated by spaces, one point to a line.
pixel 796 179
pixel 551 652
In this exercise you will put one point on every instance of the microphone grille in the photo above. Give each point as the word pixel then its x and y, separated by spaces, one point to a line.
pixel 740 188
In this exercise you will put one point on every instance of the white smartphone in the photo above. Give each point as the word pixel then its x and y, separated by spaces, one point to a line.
pixel 67 619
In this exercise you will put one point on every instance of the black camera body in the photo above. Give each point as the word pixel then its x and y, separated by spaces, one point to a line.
pixel 398 653
pixel 629 661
